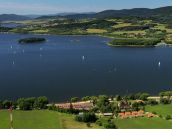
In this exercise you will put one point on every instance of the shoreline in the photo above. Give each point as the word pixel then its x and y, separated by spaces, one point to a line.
pixel 98 35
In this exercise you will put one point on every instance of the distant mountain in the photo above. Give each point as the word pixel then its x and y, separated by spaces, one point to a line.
pixel 138 12
pixel 64 14
pixel 13 17
pixel 67 15
pixel 32 16
pixel 163 13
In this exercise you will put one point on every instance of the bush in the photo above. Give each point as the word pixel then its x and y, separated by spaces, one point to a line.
pixel 154 112
pixel 67 111
pixel 168 117
pixel 98 122
pixel 152 102
pixel 74 99
pixel 168 41
pixel 88 125
pixel 109 125
pixel 78 118
pixel 165 101
pixel 86 117
pixel 106 123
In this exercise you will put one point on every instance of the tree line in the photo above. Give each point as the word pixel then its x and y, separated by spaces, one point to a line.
pixel 25 103
pixel 135 42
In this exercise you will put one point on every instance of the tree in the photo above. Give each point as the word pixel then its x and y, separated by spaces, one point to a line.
pixel 41 102
pixel 1 104
pixel 131 97
pixel 86 98
pixel 7 104
pixel 118 98
pixel 31 101
pixel 94 99
pixel 24 104
pixel 166 93
pixel 74 99
pixel 144 96
pixel 103 104
pixel 135 106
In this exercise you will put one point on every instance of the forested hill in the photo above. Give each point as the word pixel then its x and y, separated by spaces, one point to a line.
pixel 160 13
pixel 138 12
pixel 13 17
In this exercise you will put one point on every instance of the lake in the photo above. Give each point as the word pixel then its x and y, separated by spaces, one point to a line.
pixel 11 25
pixel 68 66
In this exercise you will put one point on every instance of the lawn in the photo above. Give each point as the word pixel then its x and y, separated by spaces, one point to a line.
pixel 41 120
pixel 163 110
pixel 143 123
pixel 148 123
pixel 40 31
pixel 31 120
pixel 121 24
pixel 130 32
pixel 53 120
pixel 96 31
pixel 163 27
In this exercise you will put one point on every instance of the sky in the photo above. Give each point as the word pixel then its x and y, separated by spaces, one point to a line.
pixel 58 6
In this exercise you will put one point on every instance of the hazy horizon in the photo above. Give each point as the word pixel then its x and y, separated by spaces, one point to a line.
pixel 47 7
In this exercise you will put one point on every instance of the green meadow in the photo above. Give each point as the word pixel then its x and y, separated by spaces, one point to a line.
pixel 163 110
pixel 144 123
pixel 43 119
pixel 149 123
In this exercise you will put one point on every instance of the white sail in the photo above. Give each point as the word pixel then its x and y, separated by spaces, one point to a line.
pixel 83 57
pixel 159 64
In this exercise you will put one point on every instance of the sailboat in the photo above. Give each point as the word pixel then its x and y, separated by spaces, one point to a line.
pixel 159 64
pixel 83 57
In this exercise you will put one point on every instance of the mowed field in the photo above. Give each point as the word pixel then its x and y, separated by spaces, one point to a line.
pixel 41 120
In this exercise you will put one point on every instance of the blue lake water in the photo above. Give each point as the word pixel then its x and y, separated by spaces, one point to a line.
pixel 67 66
pixel 11 25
